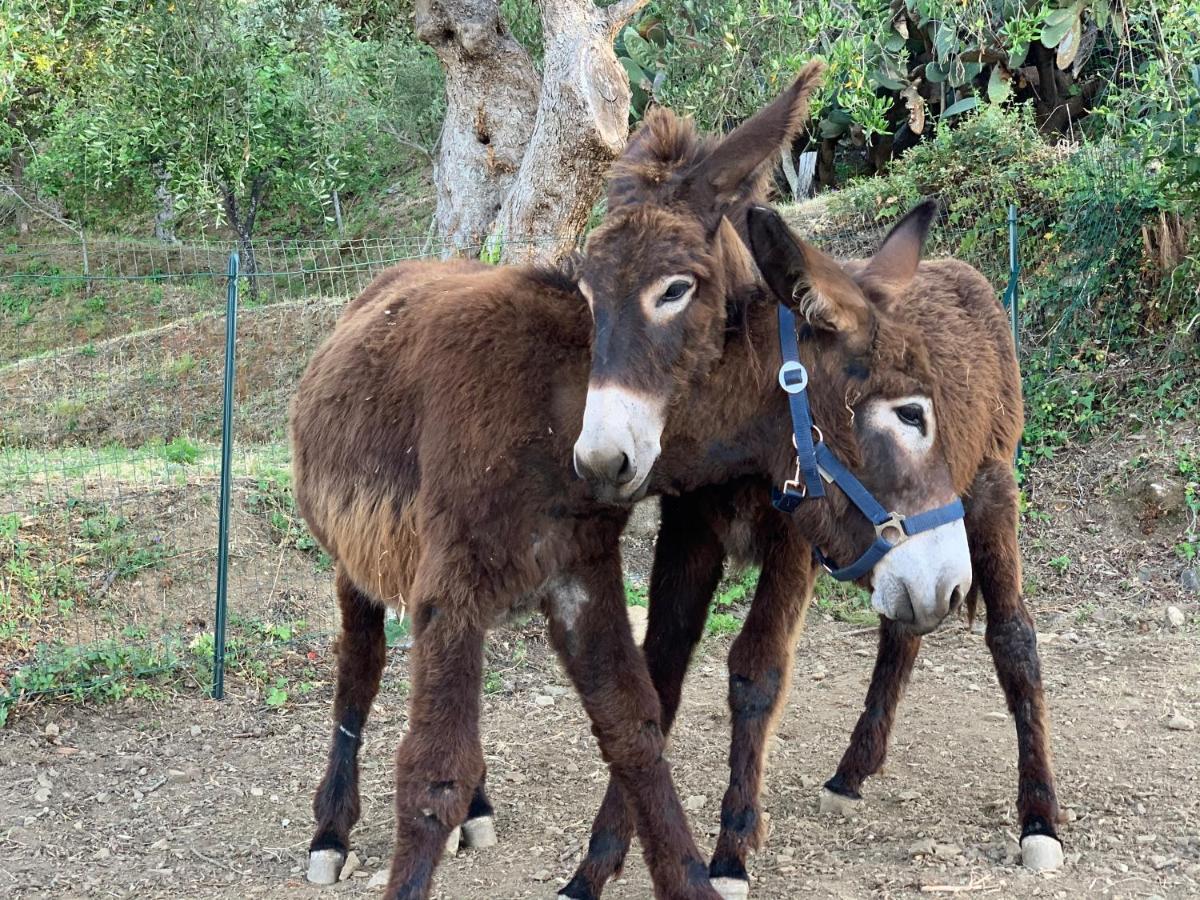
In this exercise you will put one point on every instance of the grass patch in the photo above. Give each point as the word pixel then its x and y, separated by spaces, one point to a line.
pixel 109 670
pixel 636 595
pixel 256 652
pixel 271 497
pixel 844 602
pixel 58 559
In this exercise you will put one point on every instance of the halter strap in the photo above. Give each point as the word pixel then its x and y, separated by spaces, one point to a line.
pixel 793 378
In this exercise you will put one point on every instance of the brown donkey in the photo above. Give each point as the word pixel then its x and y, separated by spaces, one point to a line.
pixel 919 422
pixel 432 449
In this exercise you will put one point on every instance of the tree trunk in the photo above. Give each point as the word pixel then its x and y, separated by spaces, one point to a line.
pixel 18 183
pixel 827 164
pixel 241 217
pixel 519 164
pixel 582 123
pixel 491 101
pixel 164 219
pixel 337 212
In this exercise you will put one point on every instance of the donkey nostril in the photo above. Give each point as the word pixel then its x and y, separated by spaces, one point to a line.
pixel 956 597
pixel 625 470
pixel 904 610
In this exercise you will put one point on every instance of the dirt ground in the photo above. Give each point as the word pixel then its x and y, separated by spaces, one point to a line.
pixel 191 798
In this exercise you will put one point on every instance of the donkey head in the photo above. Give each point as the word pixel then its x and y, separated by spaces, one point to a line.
pixel 658 273
pixel 877 397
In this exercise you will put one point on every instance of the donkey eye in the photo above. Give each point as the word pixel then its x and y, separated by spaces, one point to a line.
pixel 913 415
pixel 675 292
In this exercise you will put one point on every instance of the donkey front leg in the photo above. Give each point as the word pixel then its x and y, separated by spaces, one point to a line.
pixel 992 533
pixel 868 745
pixel 439 765
pixel 590 631
pixel 361 654
pixel 688 556
pixel 760 671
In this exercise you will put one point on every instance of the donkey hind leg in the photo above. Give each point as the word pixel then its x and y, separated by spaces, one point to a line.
pixel 439 765
pixel 868 745
pixel 361 654
pixel 992 534
pixel 688 556
pixel 590 632
pixel 760 668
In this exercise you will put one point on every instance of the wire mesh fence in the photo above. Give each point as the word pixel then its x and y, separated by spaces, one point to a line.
pixel 110 436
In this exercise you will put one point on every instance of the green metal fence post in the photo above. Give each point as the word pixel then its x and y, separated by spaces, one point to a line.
pixel 1012 293
pixel 1014 273
pixel 218 683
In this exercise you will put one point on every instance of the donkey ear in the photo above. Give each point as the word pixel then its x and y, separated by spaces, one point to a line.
pixel 896 261
pixel 809 281
pixel 723 175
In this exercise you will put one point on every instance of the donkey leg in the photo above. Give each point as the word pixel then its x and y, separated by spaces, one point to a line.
pixel 361 654
pixel 760 669
pixel 1011 638
pixel 688 556
pixel 868 745
pixel 590 632
pixel 439 765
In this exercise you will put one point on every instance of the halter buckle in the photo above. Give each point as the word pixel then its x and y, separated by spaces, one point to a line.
pixel 796 481
pixel 892 525
pixel 789 366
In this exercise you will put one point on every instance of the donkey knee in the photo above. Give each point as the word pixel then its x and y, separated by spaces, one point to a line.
pixel 640 750
pixel 754 698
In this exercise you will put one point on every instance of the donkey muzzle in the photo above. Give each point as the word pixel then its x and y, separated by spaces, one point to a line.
pixel 923 580
pixel 618 443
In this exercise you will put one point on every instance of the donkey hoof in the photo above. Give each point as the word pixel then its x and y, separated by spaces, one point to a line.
pixel 452 842
pixel 324 866
pixel 731 888
pixel 480 832
pixel 833 803
pixel 1041 853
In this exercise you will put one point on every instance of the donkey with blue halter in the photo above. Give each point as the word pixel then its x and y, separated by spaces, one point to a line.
pixel 888 445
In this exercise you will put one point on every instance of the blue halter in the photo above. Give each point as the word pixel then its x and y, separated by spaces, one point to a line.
pixel 816 464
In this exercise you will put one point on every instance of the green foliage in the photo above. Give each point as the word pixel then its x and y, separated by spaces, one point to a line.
pixel 272 499
pixel 109 670
pixel 397 631
pixel 844 602
pixel 182 451
pixel 722 623
pixel 1188 466
pixel 636 594
pixel 286 103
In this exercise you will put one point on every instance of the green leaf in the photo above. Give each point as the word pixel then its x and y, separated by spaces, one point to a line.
pixel 830 129
pixel 1057 24
pixel 934 73
pixel 637 78
pixel 964 105
pixel 999 85
pixel 1068 47
pixel 1017 54
pixel 639 49
pixel 943 42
